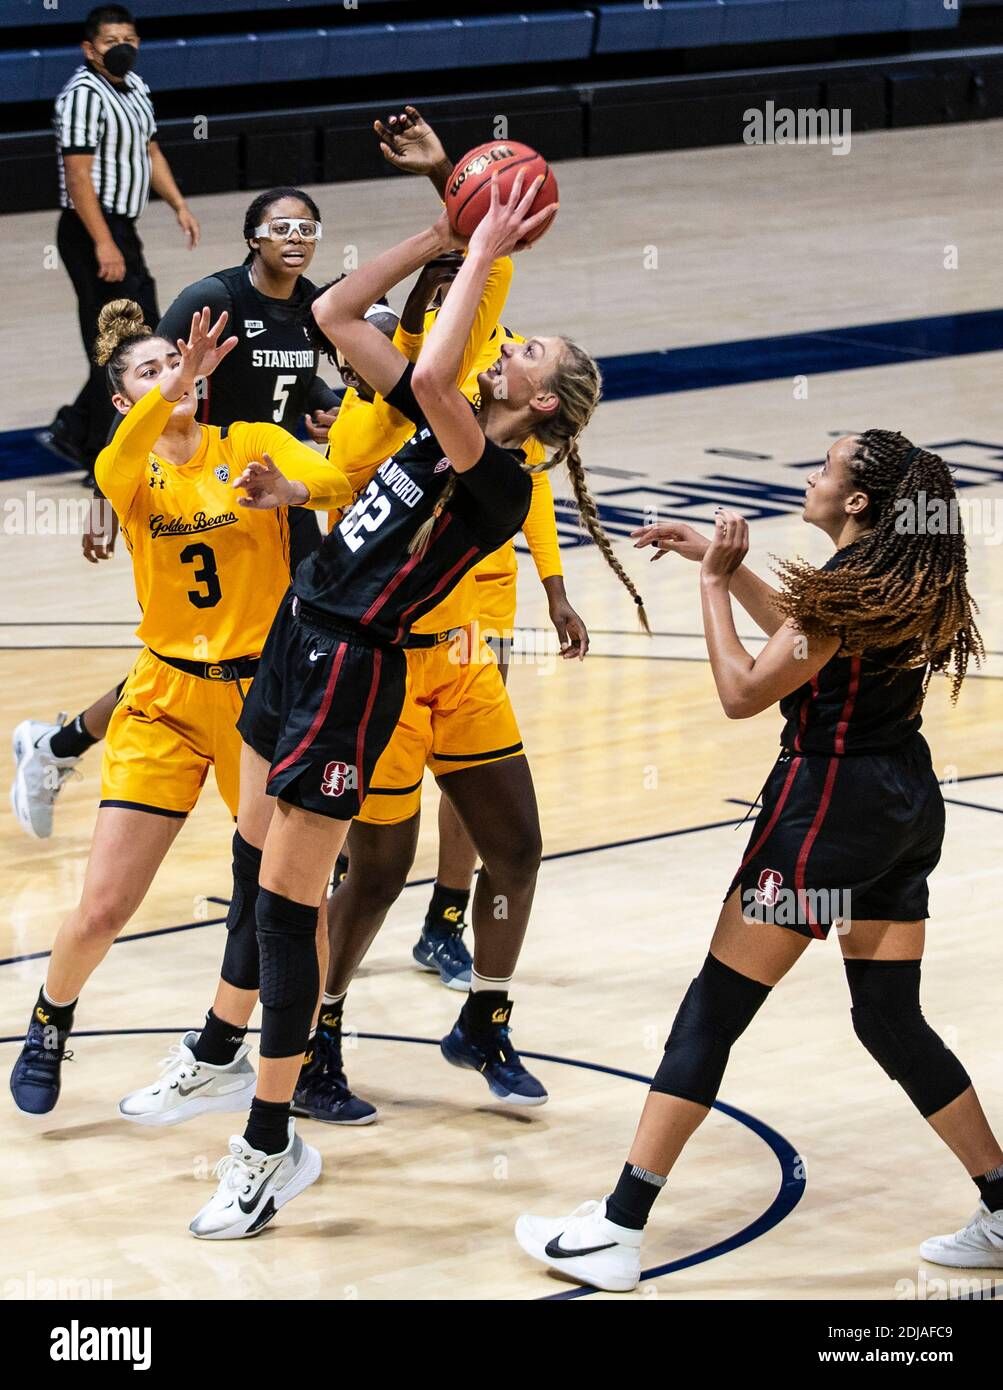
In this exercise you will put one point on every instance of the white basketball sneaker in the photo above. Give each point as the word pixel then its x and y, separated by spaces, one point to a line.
pixel 38 776
pixel 585 1246
pixel 253 1186
pixel 188 1087
pixel 979 1245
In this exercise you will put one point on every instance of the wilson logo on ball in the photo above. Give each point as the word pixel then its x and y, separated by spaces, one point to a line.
pixel 478 164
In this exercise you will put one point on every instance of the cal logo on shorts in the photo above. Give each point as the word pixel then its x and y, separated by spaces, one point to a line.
pixel 339 777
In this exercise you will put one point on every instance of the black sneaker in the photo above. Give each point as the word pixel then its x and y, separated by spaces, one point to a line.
pixel 34 1082
pixel 322 1091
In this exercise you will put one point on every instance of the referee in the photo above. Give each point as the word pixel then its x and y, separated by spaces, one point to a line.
pixel 108 161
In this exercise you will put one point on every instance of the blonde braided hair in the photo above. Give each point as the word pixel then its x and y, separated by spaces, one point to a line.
pixel 577 383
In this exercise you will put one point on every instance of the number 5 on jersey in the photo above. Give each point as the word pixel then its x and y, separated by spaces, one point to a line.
pixel 368 514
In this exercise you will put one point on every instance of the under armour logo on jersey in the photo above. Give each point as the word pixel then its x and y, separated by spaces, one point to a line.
pixel 253 327
pixel 769 888
pixel 222 472
pixel 441 466
pixel 339 777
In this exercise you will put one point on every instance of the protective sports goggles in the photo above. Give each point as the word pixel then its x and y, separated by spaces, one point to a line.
pixel 282 228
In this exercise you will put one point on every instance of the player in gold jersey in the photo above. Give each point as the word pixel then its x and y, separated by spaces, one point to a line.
pixel 210 572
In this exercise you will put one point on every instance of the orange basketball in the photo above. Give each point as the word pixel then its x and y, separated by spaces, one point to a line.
pixel 468 193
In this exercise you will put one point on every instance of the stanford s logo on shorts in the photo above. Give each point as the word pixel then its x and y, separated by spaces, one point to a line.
pixel 339 777
pixel 769 886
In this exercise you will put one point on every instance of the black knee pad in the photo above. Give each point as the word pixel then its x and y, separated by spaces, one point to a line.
pixel 888 1020
pixel 290 979
pixel 716 1010
pixel 241 966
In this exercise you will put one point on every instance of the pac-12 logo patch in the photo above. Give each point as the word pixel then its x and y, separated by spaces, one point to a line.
pixel 222 472
pixel 339 777
pixel 441 466
pixel 769 888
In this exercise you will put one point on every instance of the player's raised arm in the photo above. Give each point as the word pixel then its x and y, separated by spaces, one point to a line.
pixel 503 229
pixel 340 311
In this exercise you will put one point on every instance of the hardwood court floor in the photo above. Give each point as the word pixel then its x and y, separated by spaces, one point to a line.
pixel 640 780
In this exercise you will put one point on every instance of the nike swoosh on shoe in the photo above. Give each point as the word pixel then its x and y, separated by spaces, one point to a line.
pixel 556 1251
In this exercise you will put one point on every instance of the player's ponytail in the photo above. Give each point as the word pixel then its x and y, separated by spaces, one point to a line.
pixel 120 325
pixel 903 590
pixel 577 384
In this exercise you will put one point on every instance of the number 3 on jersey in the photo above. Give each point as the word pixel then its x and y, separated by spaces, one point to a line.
pixel 368 514
pixel 206 574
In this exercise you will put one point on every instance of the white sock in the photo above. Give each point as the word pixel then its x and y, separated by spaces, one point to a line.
pixel 485 982
pixel 330 999
pixel 55 1002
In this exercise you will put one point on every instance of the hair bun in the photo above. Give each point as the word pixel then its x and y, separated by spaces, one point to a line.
pixel 117 321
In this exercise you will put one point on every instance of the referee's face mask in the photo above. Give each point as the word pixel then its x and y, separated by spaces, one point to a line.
pixel 115 52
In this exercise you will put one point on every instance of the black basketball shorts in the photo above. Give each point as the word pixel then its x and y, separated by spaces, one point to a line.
pixel 321 709
pixel 844 838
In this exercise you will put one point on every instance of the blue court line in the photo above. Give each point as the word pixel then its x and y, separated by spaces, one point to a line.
pixel 792 1180
pixel 633 375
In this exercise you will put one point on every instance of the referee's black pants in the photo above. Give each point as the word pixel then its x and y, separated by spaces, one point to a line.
pixel 87 421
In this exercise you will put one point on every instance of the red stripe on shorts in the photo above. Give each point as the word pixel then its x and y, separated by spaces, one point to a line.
pixel 360 740
pixel 768 829
pixel 809 839
pixel 319 717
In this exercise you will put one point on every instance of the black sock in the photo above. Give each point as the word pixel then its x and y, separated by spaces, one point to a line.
pixel 71 740
pixel 58 1016
pixel 268 1125
pixel 990 1187
pixel 630 1202
pixel 486 1009
pixel 219 1041
pixel 340 871
pixel 446 909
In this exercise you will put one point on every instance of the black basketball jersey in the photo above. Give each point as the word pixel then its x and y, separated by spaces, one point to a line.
pixel 269 373
pixel 364 576
pixel 855 704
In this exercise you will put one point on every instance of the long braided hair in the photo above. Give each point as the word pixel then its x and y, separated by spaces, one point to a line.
pixel 577 383
pixel 903 590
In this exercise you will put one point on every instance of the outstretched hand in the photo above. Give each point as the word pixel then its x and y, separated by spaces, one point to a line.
pixel 201 354
pixel 505 226
pixel 671 537
pixel 267 487
pixel 409 143
pixel 729 547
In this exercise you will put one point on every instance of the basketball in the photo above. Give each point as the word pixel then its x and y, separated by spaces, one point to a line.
pixel 468 194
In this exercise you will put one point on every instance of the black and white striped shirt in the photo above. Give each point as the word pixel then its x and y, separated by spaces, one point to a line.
pixel 116 125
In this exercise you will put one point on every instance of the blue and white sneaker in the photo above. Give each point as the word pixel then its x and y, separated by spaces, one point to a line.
pixel 493 1055
pixel 35 1079
pixel 446 954
pixel 322 1092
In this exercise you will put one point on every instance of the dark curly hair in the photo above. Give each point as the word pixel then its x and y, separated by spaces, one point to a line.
pixel 903 591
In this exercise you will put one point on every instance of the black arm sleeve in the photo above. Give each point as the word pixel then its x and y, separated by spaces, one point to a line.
pixel 493 496
pixel 177 321
pixel 321 396
pixel 402 399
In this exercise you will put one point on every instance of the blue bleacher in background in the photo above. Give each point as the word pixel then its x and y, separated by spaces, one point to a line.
pixel 364 48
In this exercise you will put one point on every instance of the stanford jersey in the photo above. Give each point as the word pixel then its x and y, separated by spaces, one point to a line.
pixel 270 373
pixel 364 576
pixel 855 704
